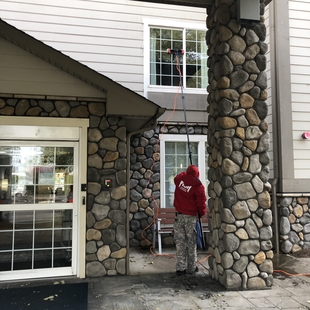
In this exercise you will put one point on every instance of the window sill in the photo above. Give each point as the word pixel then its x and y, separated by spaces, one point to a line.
pixel 174 89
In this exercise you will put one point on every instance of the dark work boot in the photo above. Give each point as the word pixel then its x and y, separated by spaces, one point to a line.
pixel 196 270
pixel 181 272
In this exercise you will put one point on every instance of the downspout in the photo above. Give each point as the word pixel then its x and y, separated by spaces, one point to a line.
pixel 129 136
pixel 275 214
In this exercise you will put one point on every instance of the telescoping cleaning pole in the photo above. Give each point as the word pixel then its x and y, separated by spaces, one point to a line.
pixel 176 53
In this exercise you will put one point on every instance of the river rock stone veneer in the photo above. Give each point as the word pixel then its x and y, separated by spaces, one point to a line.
pixel 145 181
pixel 240 214
pixel 106 208
pixel 294 224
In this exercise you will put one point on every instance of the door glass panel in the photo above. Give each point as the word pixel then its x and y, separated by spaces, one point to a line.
pixel 35 239
pixel 43 259
pixel 36 206
pixel 36 174
pixel 22 260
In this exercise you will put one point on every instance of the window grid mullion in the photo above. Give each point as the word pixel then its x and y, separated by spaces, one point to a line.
pixel 184 59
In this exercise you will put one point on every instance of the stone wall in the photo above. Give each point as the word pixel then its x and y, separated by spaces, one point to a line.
pixel 145 181
pixel 240 215
pixel 294 223
pixel 106 208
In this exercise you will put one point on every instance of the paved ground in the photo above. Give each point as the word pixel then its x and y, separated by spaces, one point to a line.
pixel 153 285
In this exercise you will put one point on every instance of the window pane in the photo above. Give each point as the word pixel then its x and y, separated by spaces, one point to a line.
pixel 64 156
pixel 44 219
pixel 176 161
pixel 6 261
pixel 33 174
pixel 167 33
pixel 5 241
pixel 23 239
pixel 196 59
pixel 24 219
pixel 169 148
pixel 22 260
pixel 6 220
pixel 162 66
pixel 43 259
pixel 181 147
pixel 43 239
pixel 32 237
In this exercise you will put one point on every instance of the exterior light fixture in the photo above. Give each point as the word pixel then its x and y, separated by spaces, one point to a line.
pixel 306 135
pixel 248 11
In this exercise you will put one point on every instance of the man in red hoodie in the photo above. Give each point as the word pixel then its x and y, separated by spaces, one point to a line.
pixel 189 201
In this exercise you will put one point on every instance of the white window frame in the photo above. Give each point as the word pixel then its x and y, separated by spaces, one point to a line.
pixel 201 139
pixel 156 23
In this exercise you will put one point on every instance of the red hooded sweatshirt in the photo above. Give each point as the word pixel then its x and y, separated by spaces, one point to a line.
pixel 189 195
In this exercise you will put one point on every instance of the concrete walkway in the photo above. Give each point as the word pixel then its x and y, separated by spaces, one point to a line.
pixel 153 285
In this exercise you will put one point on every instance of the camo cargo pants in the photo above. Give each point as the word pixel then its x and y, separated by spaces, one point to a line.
pixel 185 237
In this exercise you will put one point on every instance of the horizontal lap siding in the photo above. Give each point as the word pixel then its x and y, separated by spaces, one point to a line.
pixel 299 13
pixel 24 73
pixel 106 36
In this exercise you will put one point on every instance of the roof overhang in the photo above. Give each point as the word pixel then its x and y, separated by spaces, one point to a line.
pixel 137 111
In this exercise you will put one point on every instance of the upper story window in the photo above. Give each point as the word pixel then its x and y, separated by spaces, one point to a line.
pixel 193 64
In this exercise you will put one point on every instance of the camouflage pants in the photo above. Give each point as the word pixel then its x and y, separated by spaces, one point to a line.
pixel 185 237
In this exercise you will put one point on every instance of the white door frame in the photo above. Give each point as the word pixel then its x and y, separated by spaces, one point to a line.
pixel 38 128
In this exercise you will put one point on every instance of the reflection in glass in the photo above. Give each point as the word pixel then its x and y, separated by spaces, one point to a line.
pixel 33 174
pixel 63 218
pixel 23 219
pixel 176 161
pixel 22 260
pixel 6 239
pixel 6 220
pixel 42 238
pixel 36 238
pixel 23 239
pixel 6 261
pixel 63 238
pixel 43 259
pixel 62 257
pixel 64 156
pixel 44 219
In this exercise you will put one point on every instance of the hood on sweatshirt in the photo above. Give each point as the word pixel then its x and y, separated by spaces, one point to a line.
pixel 193 170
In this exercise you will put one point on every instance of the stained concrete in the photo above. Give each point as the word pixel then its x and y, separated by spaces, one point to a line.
pixel 153 285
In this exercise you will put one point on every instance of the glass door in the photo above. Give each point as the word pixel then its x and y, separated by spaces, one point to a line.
pixel 37 204
pixel 175 159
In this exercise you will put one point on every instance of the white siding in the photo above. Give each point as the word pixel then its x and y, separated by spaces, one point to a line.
pixel 26 74
pixel 299 14
pixel 107 36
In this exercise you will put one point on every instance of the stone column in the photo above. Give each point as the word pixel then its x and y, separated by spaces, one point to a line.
pixel 238 138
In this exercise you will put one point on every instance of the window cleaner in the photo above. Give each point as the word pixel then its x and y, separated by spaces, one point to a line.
pixel 176 54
